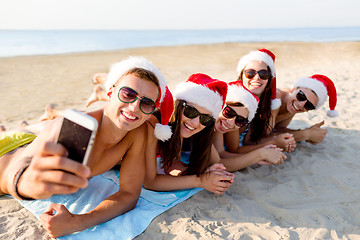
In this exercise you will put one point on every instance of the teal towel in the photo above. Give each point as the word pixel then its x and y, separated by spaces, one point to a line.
pixel 126 226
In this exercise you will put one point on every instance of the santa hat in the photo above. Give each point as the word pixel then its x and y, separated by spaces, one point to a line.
pixel 204 91
pixel 117 70
pixel 323 87
pixel 266 56
pixel 238 93
pixel 163 130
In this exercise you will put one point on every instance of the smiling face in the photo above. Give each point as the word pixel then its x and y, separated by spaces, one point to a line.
pixel 128 116
pixel 256 85
pixel 223 124
pixel 189 126
pixel 295 106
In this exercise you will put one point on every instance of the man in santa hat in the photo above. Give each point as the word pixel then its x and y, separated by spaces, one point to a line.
pixel 307 94
pixel 135 88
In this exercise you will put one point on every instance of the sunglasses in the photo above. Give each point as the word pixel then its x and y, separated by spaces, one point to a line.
pixel 302 97
pixel 251 73
pixel 129 95
pixel 229 113
pixel 191 112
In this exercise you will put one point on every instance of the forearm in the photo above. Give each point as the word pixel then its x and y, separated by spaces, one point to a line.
pixel 166 182
pixel 298 134
pixel 250 148
pixel 113 206
pixel 241 161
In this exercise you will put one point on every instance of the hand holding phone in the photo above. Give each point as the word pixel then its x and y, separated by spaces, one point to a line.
pixel 77 134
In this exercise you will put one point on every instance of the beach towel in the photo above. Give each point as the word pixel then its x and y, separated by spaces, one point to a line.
pixel 126 226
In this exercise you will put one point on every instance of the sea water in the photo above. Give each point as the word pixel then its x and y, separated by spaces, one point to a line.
pixel 29 42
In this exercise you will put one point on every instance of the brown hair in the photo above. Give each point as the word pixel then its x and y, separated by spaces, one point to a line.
pixel 143 74
pixel 261 122
pixel 199 144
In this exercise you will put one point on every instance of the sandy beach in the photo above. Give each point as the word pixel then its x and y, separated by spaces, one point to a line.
pixel 315 194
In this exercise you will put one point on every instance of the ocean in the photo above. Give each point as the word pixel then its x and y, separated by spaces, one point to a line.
pixel 40 42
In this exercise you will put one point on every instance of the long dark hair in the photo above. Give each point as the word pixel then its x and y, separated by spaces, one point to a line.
pixel 199 144
pixel 260 125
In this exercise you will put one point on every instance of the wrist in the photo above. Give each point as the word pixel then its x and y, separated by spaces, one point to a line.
pixel 198 182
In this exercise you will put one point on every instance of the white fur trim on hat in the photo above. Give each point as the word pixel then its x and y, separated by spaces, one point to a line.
pixel 239 94
pixel 275 103
pixel 332 113
pixel 256 56
pixel 315 85
pixel 162 132
pixel 117 70
pixel 200 95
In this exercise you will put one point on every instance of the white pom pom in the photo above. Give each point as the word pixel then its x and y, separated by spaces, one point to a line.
pixel 162 132
pixel 332 113
pixel 275 103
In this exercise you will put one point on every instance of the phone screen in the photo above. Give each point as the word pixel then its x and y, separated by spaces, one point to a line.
pixel 75 139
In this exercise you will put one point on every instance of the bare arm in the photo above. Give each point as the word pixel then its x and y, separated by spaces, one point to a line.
pixel 211 181
pixel 49 172
pixel 132 174
pixel 269 154
pixel 314 134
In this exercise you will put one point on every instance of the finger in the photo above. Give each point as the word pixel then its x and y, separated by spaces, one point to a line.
pixel 320 123
pixel 63 178
pixel 64 164
pixel 225 173
pixel 270 146
pixel 219 166
pixel 52 148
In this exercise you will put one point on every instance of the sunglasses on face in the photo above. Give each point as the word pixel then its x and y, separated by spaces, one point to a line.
pixel 129 95
pixel 229 113
pixel 251 73
pixel 300 96
pixel 191 112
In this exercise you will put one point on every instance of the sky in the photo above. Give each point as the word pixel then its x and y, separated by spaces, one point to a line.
pixel 177 14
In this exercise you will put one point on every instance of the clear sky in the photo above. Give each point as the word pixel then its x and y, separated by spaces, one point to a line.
pixel 177 14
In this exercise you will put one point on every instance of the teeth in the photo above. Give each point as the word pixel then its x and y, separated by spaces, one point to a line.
pixel 226 128
pixel 255 84
pixel 129 116
pixel 187 126
pixel 295 107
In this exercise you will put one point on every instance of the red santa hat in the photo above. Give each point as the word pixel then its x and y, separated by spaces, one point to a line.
pixel 117 70
pixel 238 93
pixel 266 56
pixel 323 87
pixel 204 91
pixel 163 130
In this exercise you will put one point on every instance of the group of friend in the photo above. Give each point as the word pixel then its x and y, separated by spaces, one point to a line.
pixel 194 137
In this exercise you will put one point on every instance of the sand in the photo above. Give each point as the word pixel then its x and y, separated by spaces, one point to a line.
pixel 315 194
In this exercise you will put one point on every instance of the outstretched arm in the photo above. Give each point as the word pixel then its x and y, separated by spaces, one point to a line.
pixel 41 169
pixel 314 134
pixel 132 174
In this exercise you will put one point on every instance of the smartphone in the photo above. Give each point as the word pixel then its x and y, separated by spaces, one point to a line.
pixel 77 134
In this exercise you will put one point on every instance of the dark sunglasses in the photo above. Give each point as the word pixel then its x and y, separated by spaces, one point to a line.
pixel 129 95
pixel 251 73
pixel 229 113
pixel 191 112
pixel 302 97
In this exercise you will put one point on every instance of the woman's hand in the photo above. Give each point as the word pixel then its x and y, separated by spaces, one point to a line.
pixel 286 141
pixel 273 155
pixel 216 179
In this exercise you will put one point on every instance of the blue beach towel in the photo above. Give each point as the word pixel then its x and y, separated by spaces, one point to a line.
pixel 126 226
